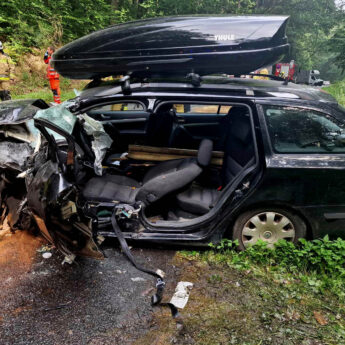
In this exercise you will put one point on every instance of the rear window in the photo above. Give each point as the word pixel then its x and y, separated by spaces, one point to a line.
pixel 125 107
pixel 298 130
pixel 198 109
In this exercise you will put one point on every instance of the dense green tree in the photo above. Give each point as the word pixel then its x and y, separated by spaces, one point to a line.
pixel 26 24
pixel 309 26
pixel 337 44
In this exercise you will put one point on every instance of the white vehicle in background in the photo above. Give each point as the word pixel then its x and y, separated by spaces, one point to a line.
pixel 309 77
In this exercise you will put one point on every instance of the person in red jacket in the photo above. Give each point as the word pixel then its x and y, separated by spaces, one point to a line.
pixel 52 75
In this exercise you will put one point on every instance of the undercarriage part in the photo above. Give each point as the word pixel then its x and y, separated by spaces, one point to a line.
pixel 128 211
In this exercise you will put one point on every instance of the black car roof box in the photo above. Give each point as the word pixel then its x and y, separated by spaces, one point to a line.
pixel 176 46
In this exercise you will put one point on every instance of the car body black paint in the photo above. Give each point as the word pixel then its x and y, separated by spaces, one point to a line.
pixel 312 185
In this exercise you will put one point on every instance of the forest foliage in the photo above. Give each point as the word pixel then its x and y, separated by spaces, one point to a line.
pixel 316 29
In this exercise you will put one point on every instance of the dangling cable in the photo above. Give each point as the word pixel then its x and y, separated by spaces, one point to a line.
pixel 160 285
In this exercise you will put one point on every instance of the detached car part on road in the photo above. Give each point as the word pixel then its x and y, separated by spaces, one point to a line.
pixel 188 160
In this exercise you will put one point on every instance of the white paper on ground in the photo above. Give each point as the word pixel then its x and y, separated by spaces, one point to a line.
pixel 181 295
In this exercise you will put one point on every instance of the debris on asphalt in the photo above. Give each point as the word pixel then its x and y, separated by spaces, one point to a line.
pixel 47 255
pixel 68 259
pixel 60 306
pixel 181 295
pixel 138 279
pixel 147 292
pixel 160 273
pixel 45 248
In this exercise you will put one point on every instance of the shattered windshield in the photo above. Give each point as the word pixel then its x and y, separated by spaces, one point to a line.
pixel 59 116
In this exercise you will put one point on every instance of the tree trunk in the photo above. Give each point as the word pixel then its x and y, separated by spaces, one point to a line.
pixel 115 4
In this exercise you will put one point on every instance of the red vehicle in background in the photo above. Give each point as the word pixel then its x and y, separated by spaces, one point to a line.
pixel 286 70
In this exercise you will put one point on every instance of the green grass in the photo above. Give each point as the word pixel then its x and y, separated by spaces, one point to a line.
pixel 33 86
pixel 337 90
pixel 289 295
pixel 293 295
pixel 46 95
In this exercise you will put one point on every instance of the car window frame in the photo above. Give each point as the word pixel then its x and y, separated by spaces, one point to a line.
pixel 252 111
pixel 268 143
pixel 117 101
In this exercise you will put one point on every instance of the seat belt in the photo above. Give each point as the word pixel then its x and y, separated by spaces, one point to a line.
pixel 156 299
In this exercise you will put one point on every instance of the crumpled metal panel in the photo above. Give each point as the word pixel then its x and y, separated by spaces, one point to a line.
pixel 101 141
pixel 24 132
pixel 38 187
pixel 14 155
pixel 19 111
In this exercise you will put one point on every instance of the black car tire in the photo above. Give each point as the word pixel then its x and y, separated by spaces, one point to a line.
pixel 270 233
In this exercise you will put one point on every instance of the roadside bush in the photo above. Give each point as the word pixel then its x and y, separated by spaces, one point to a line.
pixel 337 90
pixel 319 263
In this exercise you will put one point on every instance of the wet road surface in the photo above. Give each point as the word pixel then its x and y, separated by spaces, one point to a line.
pixel 90 302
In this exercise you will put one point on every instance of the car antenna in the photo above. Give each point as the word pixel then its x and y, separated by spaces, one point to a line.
pixel 125 83
pixel 194 78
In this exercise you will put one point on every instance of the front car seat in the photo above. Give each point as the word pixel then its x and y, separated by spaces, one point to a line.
pixel 159 181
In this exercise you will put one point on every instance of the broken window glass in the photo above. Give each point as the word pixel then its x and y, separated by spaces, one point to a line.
pixel 59 116
pixel 101 140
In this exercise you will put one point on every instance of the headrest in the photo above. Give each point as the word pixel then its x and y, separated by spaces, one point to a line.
pixel 238 122
pixel 205 152
pixel 240 127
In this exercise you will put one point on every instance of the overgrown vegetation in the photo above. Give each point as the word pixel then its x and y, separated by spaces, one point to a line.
pixel 319 264
pixel 338 91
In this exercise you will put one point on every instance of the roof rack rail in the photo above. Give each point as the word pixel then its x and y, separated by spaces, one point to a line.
pixel 194 78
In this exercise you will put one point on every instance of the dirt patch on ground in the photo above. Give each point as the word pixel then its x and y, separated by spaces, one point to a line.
pixel 17 252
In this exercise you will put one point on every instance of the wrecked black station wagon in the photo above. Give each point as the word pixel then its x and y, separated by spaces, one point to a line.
pixel 186 157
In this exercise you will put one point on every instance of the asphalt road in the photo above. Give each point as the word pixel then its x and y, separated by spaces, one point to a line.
pixel 90 302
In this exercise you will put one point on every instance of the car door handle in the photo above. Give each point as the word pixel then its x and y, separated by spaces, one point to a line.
pixel 105 117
